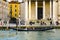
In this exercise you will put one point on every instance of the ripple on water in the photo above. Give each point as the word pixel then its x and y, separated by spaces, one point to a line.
pixel 31 35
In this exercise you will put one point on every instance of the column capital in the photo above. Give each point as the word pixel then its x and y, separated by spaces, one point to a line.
pixel 54 0
pixel 29 0
pixel 36 0
pixel 43 0
pixel 25 0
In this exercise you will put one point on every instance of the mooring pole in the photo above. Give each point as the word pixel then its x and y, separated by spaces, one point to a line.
pixel 17 23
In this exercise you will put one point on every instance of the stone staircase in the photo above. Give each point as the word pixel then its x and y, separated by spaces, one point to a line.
pixel 38 22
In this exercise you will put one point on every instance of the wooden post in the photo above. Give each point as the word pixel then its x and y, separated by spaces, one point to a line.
pixel 17 25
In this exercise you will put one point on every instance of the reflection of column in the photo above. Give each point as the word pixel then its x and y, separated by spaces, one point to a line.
pixel 26 10
pixel 29 9
pixel 43 9
pixel 36 8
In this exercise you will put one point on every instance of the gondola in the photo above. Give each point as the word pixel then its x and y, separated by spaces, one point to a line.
pixel 34 29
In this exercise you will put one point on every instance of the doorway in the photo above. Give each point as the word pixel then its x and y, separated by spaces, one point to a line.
pixel 12 20
pixel 40 13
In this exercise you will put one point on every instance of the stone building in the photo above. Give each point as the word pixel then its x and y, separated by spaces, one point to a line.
pixel 14 10
pixel 40 10
pixel 3 11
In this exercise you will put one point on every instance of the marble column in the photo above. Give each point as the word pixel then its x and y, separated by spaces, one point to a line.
pixel 50 8
pixel 26 11
pixel 29 9
pixel 36 4
pixel 54 11
pixel 59 11
pixel 43 9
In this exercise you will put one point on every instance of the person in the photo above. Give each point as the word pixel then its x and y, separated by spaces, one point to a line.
pixel 57 23
pixel 44 23
pixel 37 21
pixel 50 22
pixel 50 19
pixel 41 23
pixel 17 22
pixel 22 22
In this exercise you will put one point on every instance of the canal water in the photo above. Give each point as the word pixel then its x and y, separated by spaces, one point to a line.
pixel 30 35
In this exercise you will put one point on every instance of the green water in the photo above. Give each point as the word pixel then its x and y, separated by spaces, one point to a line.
pixel 30 35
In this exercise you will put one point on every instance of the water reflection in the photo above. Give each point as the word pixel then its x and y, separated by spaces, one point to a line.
pixel 30 35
